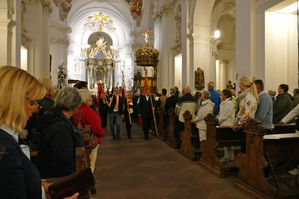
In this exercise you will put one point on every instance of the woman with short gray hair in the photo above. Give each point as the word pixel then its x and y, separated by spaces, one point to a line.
pixel 88 116
pixel 59 138
pixel 205 108
pixel 68 99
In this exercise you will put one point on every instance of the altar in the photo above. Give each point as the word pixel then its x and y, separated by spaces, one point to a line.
pixel 100 65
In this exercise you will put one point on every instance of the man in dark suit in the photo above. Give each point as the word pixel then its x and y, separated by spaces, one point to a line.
pixel 146 110
pixel 115 111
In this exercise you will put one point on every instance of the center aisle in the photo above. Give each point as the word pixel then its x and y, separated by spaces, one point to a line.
pixel 139 169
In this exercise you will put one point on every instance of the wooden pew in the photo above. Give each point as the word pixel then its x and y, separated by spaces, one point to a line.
pixel 171 128
pixel 284 128
pixel 186 146
pixel 217 138
pixel 252 165
pixel 161 125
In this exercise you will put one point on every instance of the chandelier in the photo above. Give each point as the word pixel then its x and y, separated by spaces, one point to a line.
pixel 99 22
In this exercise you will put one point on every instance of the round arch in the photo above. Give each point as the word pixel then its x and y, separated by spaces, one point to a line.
pixel 120 37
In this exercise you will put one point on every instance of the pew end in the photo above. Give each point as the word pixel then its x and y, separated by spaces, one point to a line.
pixel 269 153
pixel 218 137
pixel 186 145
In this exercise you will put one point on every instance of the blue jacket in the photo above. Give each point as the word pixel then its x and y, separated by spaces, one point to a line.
pixel 215 98
pixel 264 112
pixel 19 179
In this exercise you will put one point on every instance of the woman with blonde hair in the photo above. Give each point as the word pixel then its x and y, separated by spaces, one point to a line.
pixel 19 94
pixel 248 100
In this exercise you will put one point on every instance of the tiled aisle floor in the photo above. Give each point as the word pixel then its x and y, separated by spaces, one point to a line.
pixel 139 169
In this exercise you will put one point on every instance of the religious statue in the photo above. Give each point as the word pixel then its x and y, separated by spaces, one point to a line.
pixel 61 77
pixel 199 79
pixel 230 86
pixel 146 36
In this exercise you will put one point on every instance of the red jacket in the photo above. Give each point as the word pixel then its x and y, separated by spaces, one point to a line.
pixel 89 117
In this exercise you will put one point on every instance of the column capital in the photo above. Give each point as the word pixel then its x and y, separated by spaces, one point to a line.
pixel 46 4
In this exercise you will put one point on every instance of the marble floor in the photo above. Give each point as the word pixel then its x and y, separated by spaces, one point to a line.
pixel 139 169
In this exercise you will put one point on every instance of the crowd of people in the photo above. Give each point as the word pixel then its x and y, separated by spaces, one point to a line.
pixel 35 117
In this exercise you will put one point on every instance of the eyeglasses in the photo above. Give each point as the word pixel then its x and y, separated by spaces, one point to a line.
pixel 33 103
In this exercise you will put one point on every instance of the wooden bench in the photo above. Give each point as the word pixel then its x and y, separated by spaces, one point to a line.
pixel 217 138
pixel 190 137
pixel 162 124
pixel 275 148
pixel 186 146
pixel 284 128
pixel 170 128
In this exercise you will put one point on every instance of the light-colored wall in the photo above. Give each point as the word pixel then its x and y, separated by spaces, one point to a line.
pixel 281 50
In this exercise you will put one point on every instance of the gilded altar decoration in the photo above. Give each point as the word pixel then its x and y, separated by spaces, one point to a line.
pixel 229 85
pixel 99 64
pixel 147 56
pixel 100 22
pixel 199 79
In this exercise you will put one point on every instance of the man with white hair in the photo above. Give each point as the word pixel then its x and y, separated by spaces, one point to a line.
pixel 215 97
pixel 185 103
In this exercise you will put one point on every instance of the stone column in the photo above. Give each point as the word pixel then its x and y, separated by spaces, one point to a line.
pixel 245 37
pixel 59 43
pixel 45 67
pixel 10 32
pixel 164 53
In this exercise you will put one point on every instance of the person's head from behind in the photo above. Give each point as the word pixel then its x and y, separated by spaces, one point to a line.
pixel 271 93
pixel 226 94
pixel 259 85
pixel 47 83
pixel 188 90
pixel 205 95
pixel 19 96
pixel 296 91
pixel 211 84
pixel 283 88
pixel 81 85
pixel 245 83
pixel 164 91
pixel 172 91
pixel 86 96
pixel 68 101
pixel 198 95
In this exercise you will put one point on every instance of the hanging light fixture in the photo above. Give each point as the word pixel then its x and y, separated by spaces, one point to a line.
pixel 99 22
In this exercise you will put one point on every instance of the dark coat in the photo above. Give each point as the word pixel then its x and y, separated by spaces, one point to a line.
pixel 145 106
pixel 19 179
pixel 281 107
pixel 103 106
pixel 112 105
pixel 33 134
pixel 59 140
pixel 126 113
pixel 170 103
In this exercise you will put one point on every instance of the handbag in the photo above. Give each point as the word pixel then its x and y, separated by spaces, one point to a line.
pixel 79 181
pixel 89 139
